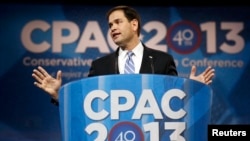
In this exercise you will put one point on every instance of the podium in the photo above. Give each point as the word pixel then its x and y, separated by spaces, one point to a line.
pixel 135 107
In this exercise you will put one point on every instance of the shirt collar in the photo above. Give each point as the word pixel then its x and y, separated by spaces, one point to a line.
pixel 138 51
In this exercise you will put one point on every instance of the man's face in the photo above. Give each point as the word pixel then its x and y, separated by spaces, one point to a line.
pixel 121 30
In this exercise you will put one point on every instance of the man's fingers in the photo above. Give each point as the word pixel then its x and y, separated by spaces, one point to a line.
pixel 209 73
pixel 207 70
pixel 193 70
pixel 43 71
pixel 59 75
pixel 209 82
pixel 38 84
pixel 37 75
pixel 209 77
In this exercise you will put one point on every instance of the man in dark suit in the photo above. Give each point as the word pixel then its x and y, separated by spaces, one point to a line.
pixel 124 23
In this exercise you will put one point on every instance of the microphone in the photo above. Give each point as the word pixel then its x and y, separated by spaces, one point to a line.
pixel 151 64
pixel 116 66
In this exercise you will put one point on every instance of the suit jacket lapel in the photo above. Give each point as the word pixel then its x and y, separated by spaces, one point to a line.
pixel 147 63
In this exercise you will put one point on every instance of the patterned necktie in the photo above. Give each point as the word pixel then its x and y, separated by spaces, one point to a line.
pixel 129 65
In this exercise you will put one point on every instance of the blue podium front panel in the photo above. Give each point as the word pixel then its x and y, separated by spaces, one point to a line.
pixel 139 107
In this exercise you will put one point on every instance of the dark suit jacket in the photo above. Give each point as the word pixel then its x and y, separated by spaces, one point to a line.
pixel 153 62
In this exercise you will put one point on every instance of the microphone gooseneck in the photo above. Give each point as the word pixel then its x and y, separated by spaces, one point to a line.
pixel 152 64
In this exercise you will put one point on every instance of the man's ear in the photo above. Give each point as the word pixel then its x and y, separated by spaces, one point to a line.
pixel 134 24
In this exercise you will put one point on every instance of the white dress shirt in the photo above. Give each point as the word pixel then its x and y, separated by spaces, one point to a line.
pixel 137 58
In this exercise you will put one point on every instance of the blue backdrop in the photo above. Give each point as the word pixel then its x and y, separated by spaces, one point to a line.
pixel 70 37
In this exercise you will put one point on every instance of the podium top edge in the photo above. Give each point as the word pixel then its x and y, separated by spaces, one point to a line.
pixel 131 76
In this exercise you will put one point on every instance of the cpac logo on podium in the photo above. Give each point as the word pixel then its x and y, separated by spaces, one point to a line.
pixel 125 102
